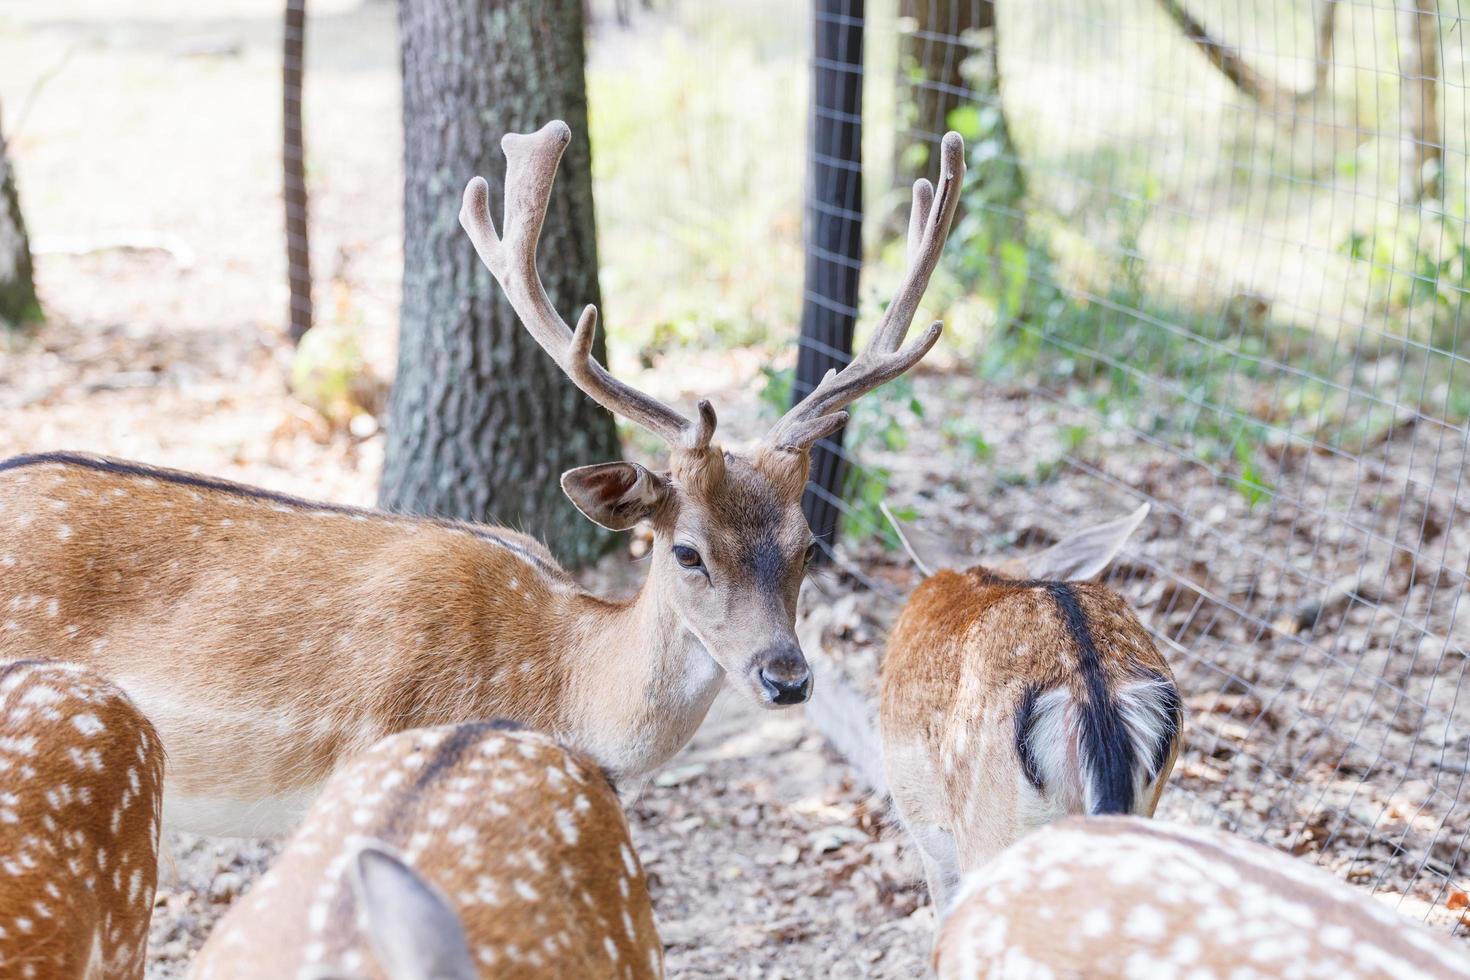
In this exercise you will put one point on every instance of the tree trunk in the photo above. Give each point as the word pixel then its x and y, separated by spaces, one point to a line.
pixel 18 303
pixel 932 47
pixel 950 58
pixel 1420 147
pixel 482 421
pixel 293 160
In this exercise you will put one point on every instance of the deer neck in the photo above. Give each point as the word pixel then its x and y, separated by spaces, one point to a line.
pixel 641 685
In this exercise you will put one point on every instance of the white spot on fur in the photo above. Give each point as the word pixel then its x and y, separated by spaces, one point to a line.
pixel 1144 922
pixel 63 533
pixel 87 723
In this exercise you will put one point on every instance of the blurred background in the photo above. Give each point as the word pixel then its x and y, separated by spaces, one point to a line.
pixel 1213 257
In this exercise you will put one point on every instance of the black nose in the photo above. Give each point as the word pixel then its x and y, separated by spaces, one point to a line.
pixel 787 683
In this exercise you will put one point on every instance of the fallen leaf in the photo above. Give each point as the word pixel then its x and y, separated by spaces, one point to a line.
pixel 1458 900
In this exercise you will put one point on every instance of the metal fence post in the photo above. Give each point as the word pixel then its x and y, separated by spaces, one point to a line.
pixel 832 233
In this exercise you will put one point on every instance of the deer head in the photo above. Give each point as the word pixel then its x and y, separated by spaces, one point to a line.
pixel 730 542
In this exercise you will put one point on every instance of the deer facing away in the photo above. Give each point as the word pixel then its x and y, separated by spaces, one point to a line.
pixel 1018 694
pixel 1161 900
pixel 269 637
pixel 81 786
pixel 446 853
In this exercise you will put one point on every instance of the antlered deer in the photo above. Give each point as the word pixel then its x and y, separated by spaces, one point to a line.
pixel 269 637
pixel 447 852
pixel 1014 695
pixel 1130 898
pixel 81 786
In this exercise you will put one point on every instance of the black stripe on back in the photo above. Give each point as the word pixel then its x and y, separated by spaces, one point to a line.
pixel 255 493
pixel 1106 744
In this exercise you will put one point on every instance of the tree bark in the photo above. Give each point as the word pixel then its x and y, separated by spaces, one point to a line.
pixel 18 303
pixel 293 160
pixel 1420 146
pixel 482 422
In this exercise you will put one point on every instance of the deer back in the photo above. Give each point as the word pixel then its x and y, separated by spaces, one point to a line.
pixel 1118 896
pixel 81 784
pixel 525 840
pixel 1010 702
pixel 267 637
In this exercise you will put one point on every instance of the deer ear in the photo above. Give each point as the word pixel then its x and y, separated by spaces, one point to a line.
pixel 929 551
pixel 615 495
pixel 413 929
pixel 1084 554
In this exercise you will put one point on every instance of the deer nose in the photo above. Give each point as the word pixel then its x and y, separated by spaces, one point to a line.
pixel 786 678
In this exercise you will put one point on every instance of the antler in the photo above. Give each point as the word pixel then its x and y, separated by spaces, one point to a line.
pixel 531 162
pixel 819 414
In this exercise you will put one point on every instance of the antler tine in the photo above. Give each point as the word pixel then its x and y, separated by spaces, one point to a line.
pixel 531 162
pixel 817 415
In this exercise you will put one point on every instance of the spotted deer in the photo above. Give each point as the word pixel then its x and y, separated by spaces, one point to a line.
pixel 475 849
pixel 270 637
pixel 1130 898
pixel 1017 693
pixel 81 784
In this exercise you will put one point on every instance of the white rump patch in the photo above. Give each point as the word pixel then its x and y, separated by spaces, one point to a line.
pixel 1144 706
pixel 1053 742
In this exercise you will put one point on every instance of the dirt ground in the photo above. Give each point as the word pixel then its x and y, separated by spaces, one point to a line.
pixel 1325 717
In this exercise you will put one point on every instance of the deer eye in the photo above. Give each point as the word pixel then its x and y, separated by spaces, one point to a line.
pixel 811 553
pixel 687 556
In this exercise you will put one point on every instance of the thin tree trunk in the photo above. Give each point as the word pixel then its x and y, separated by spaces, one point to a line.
pixel 1420 145
pixel 482 421
pixel 18 303
pixel 293 159
pixel 1326 39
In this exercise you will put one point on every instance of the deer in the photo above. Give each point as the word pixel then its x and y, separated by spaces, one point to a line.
pixel 1161 900
pixel 81 787
pixel 453 852
pixel 269 637
pixel 1016 693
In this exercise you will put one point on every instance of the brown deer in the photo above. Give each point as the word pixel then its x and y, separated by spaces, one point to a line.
pixel 449 853
pixel 1124 897
pixel 81 786
pixel 1016 694
pixel 269 637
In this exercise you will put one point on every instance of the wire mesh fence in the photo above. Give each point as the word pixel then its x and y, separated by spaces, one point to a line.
pixel 1215 257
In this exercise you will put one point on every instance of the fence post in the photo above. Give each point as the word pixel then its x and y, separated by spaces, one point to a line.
pixel 833 234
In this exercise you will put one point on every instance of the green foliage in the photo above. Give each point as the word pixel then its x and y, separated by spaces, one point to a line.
pixel 329 375
pixel 1418 271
